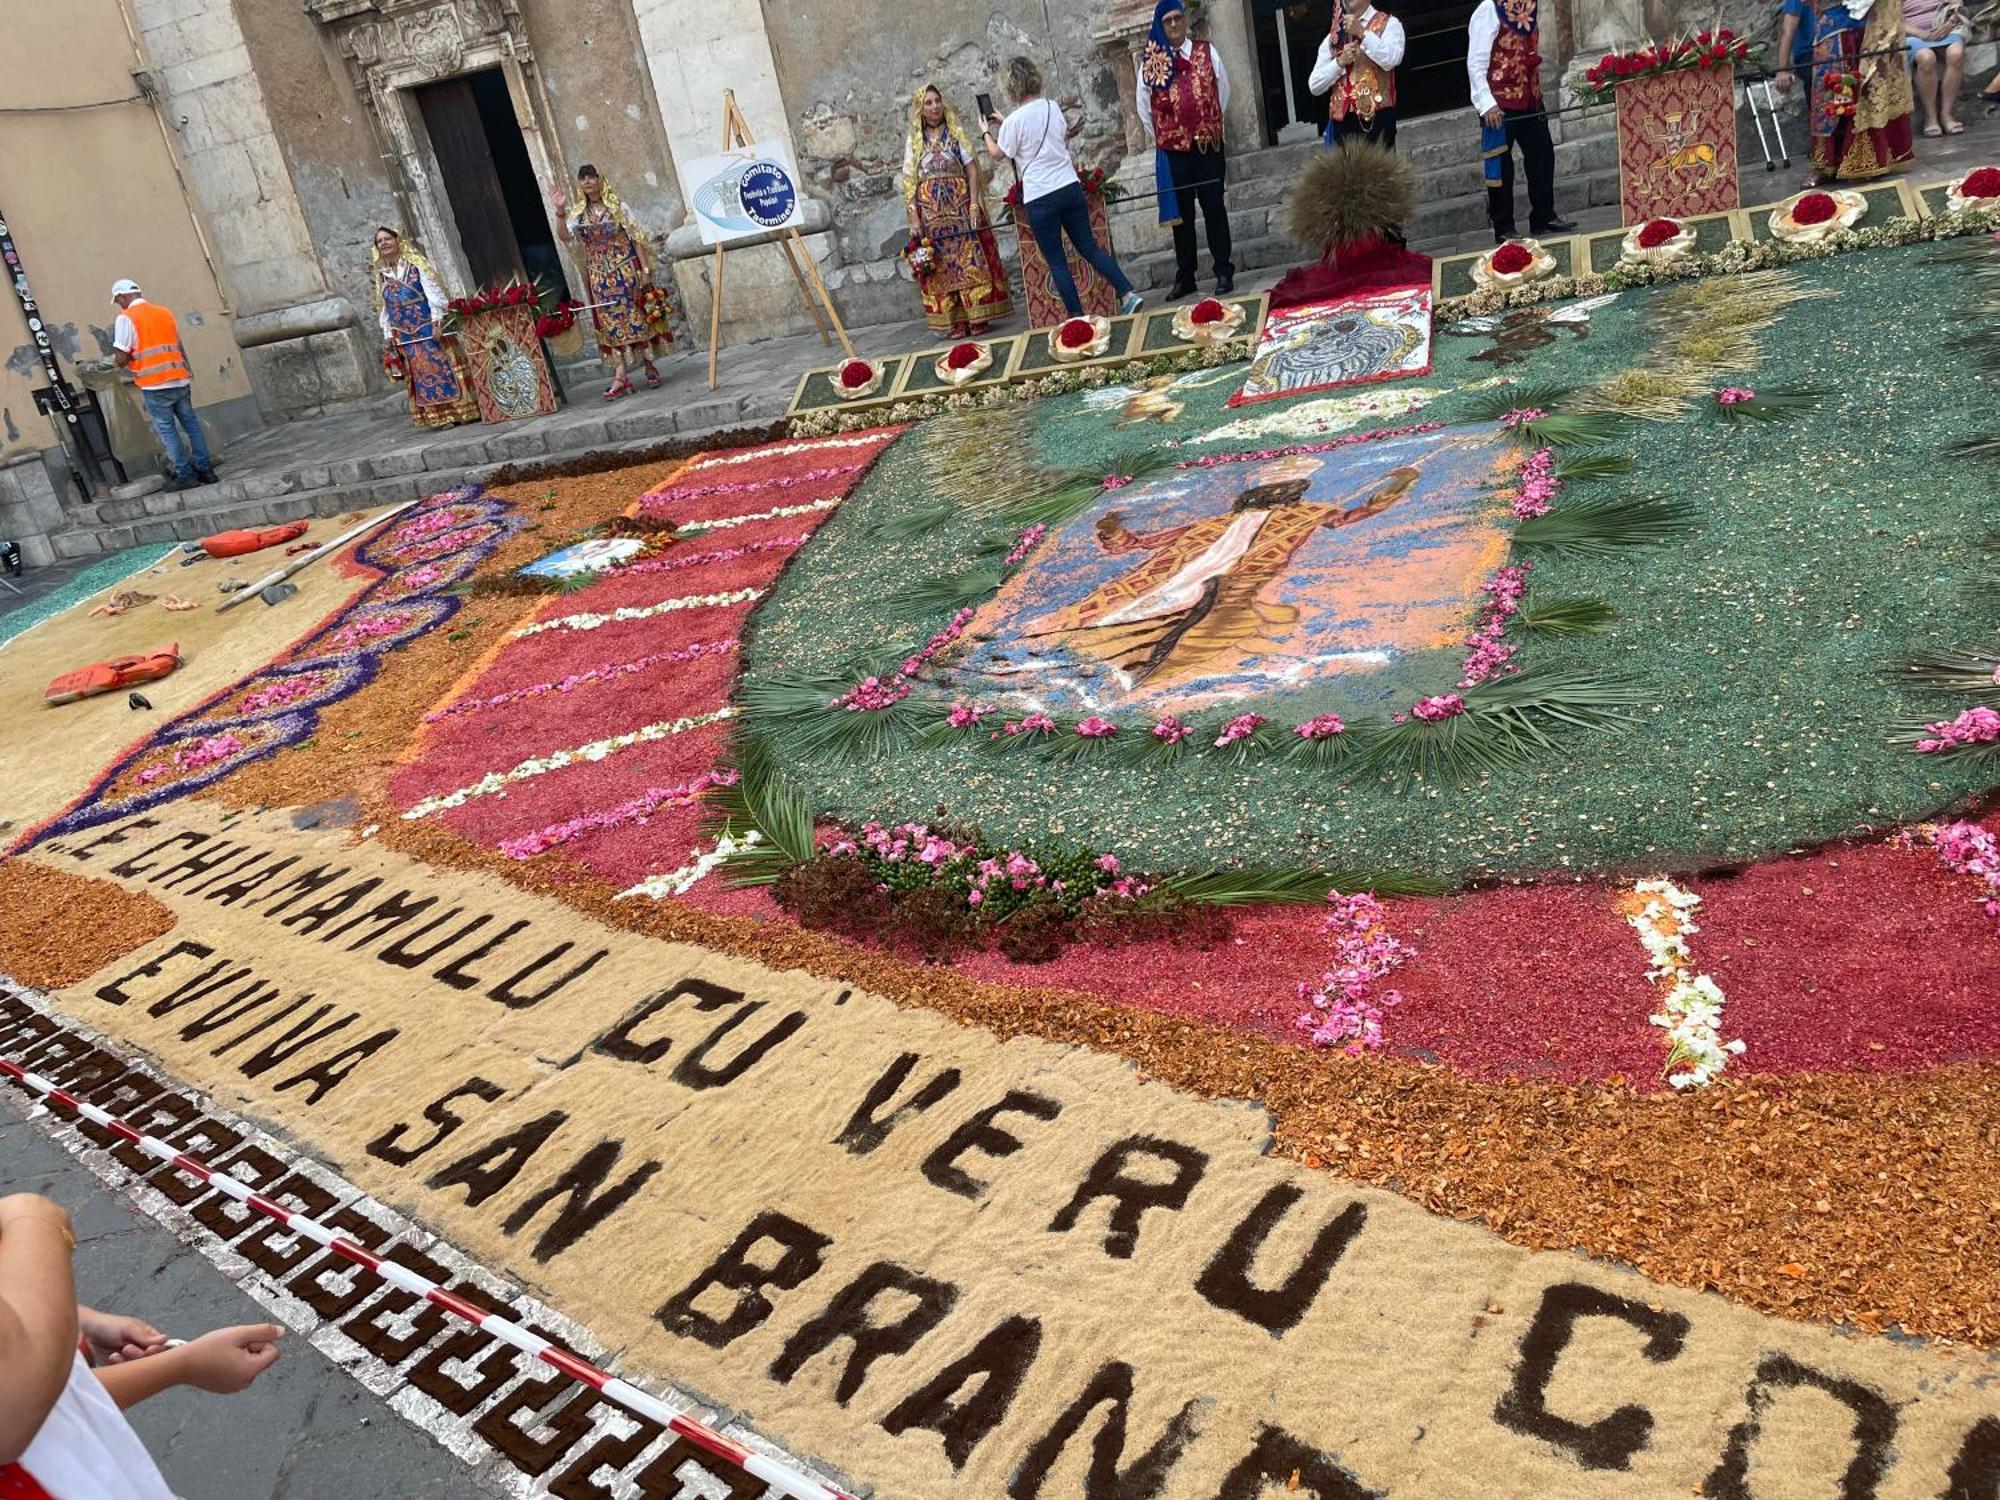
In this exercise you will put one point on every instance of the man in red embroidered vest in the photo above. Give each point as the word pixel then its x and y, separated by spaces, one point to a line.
pixel 148 343
pixel 1357 65
pixel 1504 65
pixel 1183 94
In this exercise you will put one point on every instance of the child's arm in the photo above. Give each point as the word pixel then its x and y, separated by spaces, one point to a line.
pixel 225 1361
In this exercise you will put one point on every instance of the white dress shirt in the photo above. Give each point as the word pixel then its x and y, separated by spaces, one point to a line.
pixel 1480 33
pixel 434 293
pixel 1036 137
pixel 1144 100
pixel 1384 49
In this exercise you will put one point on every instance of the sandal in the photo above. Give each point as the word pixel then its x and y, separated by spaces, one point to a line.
pixel 1954 127
pixel 980 330
pixel 622 386
pixel 652 375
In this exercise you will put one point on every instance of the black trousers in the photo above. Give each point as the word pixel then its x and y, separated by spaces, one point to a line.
pixel 1198 179
pixel 1380 131
pixel 1529 130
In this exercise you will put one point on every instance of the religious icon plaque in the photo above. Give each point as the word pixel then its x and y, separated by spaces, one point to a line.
pixel 1677 144
pixel 509 368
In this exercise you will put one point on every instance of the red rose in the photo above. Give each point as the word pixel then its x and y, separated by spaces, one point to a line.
pixel 1077 333
pixel 856 373
pixel 1815 208
pixel 1657 232
pixel 961 355
pixel 1510 258
pixel 1208 310
pixel 1984 183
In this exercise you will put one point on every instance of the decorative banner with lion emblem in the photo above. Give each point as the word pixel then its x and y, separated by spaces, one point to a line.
pixel 1677 144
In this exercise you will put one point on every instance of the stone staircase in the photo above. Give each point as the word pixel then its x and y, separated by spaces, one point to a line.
pixel 1442 149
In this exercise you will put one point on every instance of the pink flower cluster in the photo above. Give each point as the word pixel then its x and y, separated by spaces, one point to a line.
pixel 1026 543
pixel 1735 395
pixel 1171 731
pixel 1035 723
pixel 1345 1006
pixel 637 811
pixel 907 841
pixel 1521 416
pixel 1016 870
pixel 366 629
pixel 1321 727
pixel 1975 726
pixel 420 578
pixel 674 561
pixel 967 715
pixel 1094 728
pixel 1971 850
pixel 1444 706
pixel 1538 485
pixel 608 672
pixel 874 693
pixel 1239 728
pixel 1210 460
pixel 667 494
pixel 279 692
pixel 421 528
pixel 191 758
pixel 1491 655
pixel 1116 481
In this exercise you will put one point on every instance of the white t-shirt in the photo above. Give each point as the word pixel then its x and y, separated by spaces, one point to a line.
pixel 1037 138
pixel 86 1450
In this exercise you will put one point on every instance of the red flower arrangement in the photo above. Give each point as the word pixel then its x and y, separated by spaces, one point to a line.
pixel 854 374
pixel 559 322
pixel 393 364
pixel 1077 333
pixel 961 355
pixel 655 306
pixel 1511 259
pixel 1705 49
pixel 1983 183
pixel 1206 311
pixel 543 300
pixel 1814 208
pixel 1657 232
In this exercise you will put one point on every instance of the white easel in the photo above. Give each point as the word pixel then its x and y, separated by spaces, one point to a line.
pixel 736 133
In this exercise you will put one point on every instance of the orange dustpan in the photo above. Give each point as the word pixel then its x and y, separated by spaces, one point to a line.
pixel 110 676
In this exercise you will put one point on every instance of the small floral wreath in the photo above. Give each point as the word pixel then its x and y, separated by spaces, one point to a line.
pixel 1079 338
pixel 1978 189
pixel 964 363
pixel 1657 242
pixel 1513 264
pixel 857 378
pixel 1806 218
pixel 1208 321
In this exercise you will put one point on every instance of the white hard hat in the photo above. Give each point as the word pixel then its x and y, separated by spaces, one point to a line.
pixel 124 288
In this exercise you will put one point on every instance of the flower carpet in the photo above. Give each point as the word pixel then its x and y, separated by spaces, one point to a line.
pixel 1558 790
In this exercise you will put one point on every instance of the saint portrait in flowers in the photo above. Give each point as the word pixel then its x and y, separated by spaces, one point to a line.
pixel 1226 581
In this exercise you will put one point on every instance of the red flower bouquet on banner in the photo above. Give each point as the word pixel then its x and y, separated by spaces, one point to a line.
pixel 1080 338
pixel 1704 49
pixel 964 363
pixel 555 324
pixel 857 378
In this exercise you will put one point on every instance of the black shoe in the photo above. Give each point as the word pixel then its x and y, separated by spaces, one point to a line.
pixel 1182 288
pixel 10 558
pixel 1554 226
pixel 183 482
pixel 1225 284
pixel 1501 236
pixel 207 476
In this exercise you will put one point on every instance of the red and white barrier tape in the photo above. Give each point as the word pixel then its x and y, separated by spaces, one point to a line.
pixel 782 1477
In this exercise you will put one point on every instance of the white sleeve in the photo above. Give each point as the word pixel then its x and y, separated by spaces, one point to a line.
pixel 1326 69
pixel 434 294
pixel 124 336
pixel 1385 49
pixel 382 310
pixel 1479 35
pixel 1142 103
pixel 1221 78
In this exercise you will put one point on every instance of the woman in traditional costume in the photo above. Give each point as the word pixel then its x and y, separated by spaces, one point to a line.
pixel 956 260
pixel 1858 112
pixel 631 314
pixel 410 300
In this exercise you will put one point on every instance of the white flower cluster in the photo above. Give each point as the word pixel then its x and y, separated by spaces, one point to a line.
pixel 1690 1002
pixel 762 453
pixel 696 528
pixel 680 882
pixel 590 621
pixel 495 783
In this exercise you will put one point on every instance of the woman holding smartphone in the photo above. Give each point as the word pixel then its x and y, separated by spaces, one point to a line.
pixel 1035 137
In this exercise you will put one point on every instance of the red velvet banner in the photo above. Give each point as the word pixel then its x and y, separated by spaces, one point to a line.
pixel 1045 309
pixel 1677 144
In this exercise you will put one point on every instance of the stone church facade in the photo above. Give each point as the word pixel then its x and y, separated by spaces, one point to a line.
pixel 293 127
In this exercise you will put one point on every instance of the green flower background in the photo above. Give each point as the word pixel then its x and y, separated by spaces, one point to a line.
pixel 1826 547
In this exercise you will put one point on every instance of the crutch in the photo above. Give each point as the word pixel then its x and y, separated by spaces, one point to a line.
pixel 1763 142
pixel 1777 127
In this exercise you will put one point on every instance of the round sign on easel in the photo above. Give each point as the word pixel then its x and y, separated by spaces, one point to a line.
pixel 769 195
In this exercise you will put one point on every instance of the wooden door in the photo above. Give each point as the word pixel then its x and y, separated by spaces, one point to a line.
pixel 471 181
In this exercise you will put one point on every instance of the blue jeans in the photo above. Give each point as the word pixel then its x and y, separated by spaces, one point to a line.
pixel 163 409
pixel 1067 212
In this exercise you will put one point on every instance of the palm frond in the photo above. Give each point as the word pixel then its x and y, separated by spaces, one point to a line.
pixel 1334 750
pixel 1978 447
pixel 952 592
pixel 1955 672
pixel 1981 250
pixel 1568 429
pixel 1506 725
pixel 1594 465
pixel 1770 406
pixel 1907 732
pixel 1565 616
pixel 1597 527
pixel 1268 886
pixel 912 523
pixel 1071 493
pixel 797 716
pixel 1491 406
pixel 763 801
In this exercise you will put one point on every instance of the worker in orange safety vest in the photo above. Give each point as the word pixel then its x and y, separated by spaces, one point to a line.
pixel 148 343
